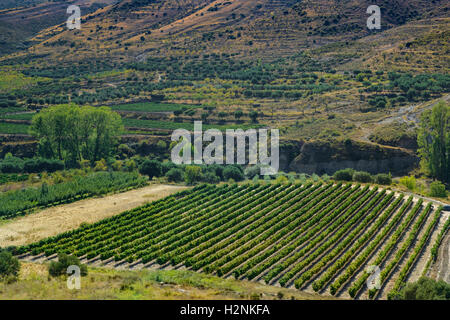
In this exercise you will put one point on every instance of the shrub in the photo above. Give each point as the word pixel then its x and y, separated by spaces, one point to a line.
pixel 85 164
pixel 161 146
pixel 362 176
pixel 41 164
pixel 437 189
pixel 59 268
pixel 281 179
pixel 100 165
pixel 217 170
pixel 254 116
pixel 344 175
pixel 252 172
pixel 11 165
pixel 174 175
pixel 152 168
pixel 210 177
pixel 383 178
pixel 18 201
pixel 125 151
pixel 238 114
pixel 16 165
pixel 130 165
pixel 9 266
pixel 233 172
pixel 117 165
pixel 192 174
pixel 409 182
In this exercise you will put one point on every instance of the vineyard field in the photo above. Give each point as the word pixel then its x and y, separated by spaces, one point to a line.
pixel 317 237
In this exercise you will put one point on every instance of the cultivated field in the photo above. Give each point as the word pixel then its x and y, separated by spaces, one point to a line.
pixel 319 237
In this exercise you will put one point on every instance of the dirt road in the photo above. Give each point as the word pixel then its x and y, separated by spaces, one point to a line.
pixel 55 220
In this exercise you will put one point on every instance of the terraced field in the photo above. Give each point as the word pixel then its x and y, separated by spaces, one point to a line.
pixel 151 107
pixel 319 237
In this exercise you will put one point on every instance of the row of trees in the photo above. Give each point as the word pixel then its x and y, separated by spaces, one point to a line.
pixel 73 133
pixel 434 141
pixel 362 176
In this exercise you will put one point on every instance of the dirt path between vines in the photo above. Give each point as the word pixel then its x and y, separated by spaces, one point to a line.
pixel 55 220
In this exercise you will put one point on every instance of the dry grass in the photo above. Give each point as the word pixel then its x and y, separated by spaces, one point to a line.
pixel 34 283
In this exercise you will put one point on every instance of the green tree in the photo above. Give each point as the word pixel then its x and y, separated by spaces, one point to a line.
pixel 233 172
pixel 383 178
pixel 424 289
pixel 434 141
pixel 174 175
pixel 344 174
pixel 205 116
pixel 437 189
pixel 409 182
pixel 59 268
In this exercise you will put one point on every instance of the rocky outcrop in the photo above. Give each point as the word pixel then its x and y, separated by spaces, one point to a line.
pixel 328 157
pixel 405 142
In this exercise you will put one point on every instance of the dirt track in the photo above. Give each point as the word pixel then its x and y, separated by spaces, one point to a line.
pixel 58 219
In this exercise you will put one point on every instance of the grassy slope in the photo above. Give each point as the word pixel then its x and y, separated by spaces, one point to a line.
pixel 34 283
pixel 13 128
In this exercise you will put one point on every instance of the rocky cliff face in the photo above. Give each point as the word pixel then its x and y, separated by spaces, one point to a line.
pixel 328 157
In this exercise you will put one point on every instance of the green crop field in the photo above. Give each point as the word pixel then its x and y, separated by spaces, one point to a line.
pixel 20 202
pixel 11 110
pixel 13 128
pixel 321 236
pixel 169 125
pixel 5 178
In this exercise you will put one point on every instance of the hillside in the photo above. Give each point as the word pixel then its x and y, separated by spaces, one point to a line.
pixel 88 124
pixel 317 237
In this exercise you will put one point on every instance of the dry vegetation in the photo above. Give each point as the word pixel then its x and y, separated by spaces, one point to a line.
pixel 34 283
